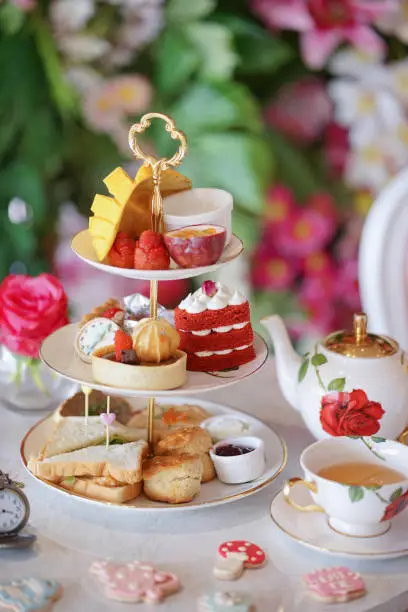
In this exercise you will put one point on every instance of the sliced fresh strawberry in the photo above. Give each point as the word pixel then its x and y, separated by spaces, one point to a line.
pixel 110 313
pixel 123 342
pixel 154 259
pixel 150 240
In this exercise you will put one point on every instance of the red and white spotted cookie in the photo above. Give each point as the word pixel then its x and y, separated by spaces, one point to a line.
pixel 252 555
pixel 335 584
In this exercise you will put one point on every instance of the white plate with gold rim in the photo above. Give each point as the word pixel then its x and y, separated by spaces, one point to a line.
pixel 82 246
pixel 311 529
pixel 58 353
pixel 212 493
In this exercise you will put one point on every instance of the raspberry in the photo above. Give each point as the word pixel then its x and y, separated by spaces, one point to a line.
pixel 150 240
pixel 110 313
pixel 122 252
pixel 123 342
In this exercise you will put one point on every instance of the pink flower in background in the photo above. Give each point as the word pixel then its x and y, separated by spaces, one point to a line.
pixel 346 286
pixel 25 5
pixel 319 263
pixel 280 204
pixel 324 24
pixel 301 110
pixel 271 272
pixel 336 148
pixel 323 203
pixel 306 232
pixel 396 22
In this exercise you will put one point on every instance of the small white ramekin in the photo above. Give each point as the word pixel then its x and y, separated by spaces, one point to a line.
pixel 240 468
pixel 202 206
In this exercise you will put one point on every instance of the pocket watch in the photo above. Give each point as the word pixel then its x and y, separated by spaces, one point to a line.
pixel 14 514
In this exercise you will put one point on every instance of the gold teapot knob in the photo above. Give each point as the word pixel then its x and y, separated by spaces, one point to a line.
pixel 360 327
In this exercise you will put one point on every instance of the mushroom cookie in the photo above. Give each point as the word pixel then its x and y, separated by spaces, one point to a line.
pixel 29 595
pixel 335 584
pixel 228 568
pixel 134 582
pixel 225 602
pixel 251 555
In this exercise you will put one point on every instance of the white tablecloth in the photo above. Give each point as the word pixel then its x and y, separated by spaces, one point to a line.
pixel 72 534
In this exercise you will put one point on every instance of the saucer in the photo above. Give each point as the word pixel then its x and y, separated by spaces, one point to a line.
pixel 311 529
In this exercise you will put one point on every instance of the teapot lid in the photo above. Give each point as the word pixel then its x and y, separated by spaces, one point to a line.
pixel 359 343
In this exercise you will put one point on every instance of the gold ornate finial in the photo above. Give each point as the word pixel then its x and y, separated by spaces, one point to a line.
pixel 360 327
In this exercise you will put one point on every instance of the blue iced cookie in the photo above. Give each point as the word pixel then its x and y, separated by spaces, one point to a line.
pixel 225 602
pixel 29 595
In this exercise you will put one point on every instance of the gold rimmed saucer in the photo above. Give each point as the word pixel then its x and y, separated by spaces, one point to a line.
pixel 313 531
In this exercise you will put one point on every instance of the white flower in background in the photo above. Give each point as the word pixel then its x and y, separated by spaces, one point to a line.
pixel 353 62
pixel 83 78
pixel 396 22
pixel 395 146
pixel 83 47
pixel 69 16
pixel 107 105
pixel 141 27
pixel 367 167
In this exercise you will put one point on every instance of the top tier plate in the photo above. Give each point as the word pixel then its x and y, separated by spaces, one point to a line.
pixel 82 246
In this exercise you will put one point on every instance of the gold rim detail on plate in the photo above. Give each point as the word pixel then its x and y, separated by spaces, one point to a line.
pixel 335 551
pixel 227 498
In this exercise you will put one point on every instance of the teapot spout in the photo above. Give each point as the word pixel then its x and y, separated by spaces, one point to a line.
pixel 287 360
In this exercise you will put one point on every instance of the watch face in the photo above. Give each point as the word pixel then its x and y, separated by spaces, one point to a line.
pixel 13 510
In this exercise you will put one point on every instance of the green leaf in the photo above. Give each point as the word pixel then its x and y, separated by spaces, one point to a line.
pixel 238 163
pixel 356 493
pixel 373 487
pixel 69 479
pixel 11 18
pixel 318 359
pixel 337 384
pixel 214 43
pixel 177 60
pixel 397 493
pixel 180 11
pixel 303 370
pixel 259 51
pixel 377 439
pixel 246 227
pixel 209 107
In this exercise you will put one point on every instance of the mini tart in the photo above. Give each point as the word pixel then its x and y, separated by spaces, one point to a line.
pixel 151 377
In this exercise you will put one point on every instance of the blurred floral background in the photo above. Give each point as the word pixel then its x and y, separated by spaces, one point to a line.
pixel 298 107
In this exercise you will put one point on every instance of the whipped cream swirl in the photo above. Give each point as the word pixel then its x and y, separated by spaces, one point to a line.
pixel 199 301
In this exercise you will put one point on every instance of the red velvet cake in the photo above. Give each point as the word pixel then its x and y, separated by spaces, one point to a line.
pixel 215 328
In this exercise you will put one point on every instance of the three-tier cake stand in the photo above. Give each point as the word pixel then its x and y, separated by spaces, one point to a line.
pixel 58 353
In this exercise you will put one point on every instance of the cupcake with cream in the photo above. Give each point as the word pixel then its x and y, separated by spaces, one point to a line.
pixel 215 328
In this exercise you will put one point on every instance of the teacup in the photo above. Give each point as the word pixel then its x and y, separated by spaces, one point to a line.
pixel 353 510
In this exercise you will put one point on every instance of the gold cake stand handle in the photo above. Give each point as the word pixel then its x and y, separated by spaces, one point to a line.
pixel 158 166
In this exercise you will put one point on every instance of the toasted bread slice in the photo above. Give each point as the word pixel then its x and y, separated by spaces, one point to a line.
pixel 103 488
pixel 123 462
pixel 72 434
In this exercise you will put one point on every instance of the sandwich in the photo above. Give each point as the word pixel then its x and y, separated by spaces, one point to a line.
pixel 75 406
pixel 71 433
pixel 112 474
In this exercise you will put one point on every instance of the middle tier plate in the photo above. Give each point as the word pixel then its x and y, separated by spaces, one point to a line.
pixel 82 246
pixel 58 353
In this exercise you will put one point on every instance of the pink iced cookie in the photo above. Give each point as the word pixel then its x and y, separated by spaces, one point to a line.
pixel 334 584
pixel 250 553
pixel 135 581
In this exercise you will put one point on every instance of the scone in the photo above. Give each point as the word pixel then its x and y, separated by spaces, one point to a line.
pixel 174 480
pixel 189 441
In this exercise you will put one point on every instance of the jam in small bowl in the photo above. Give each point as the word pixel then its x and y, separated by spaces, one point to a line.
pixel 239 459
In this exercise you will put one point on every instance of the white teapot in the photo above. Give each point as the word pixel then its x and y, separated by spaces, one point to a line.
pixel 352 383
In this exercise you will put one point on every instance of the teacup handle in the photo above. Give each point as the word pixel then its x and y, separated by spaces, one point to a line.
pixel 292 482
pixel 403 436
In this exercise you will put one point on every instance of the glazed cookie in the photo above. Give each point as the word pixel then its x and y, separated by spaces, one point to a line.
pixel 225 602
pixel 229 568
pixel 134 582
pixel 97 334
pixel 334 584
pixel 252 556
pixel 29 595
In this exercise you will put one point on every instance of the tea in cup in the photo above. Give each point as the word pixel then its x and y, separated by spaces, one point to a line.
pixel 359 483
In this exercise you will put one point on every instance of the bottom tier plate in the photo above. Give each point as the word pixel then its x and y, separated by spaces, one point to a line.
pixel 212 493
